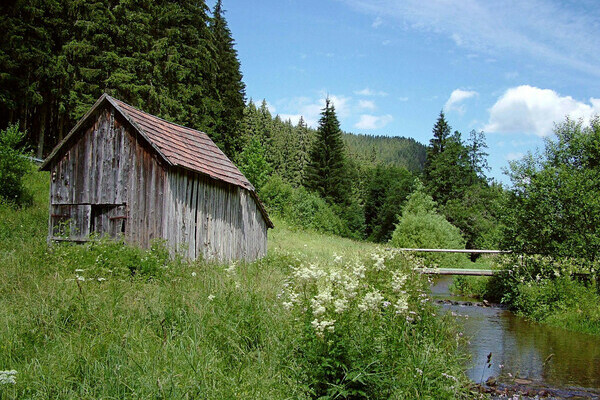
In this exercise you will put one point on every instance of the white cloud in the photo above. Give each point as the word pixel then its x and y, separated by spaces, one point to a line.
pixel 292 117
pixel 270 107
pixel 528 109
pixel 369 92
pixel 366 104
pixel 310 108
pixel 386 42
pixel 550 31
pixel 457 97
pixel 377 23
pixel 457 39
pixel 368 122
pixel 404 98
pixel 514 156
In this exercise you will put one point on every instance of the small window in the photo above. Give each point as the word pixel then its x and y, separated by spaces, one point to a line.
pixel 108 219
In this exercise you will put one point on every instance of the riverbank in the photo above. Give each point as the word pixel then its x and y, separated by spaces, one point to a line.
pixel 512 355
pixel 559 293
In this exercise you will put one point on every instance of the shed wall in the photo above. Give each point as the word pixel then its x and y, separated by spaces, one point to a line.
pixel 113 180
pixel 211 219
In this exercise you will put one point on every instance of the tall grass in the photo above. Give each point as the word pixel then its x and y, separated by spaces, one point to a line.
pixel 104 320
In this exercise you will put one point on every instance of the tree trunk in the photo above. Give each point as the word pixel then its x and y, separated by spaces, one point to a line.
pixel 40 149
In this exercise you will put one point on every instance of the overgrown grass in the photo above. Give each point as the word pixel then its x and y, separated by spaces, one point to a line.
pixel 103 320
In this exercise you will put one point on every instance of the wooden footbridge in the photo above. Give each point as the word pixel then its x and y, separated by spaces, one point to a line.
pixel 457 271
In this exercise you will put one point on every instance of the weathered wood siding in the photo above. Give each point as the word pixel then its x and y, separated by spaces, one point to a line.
pixel 213 220
pixel 113 173
pixel 110 182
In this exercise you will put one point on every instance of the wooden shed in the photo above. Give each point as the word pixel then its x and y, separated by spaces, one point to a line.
pixel 122 172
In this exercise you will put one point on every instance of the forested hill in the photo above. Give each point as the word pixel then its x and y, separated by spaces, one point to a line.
pixel 174 59
pixel 398 151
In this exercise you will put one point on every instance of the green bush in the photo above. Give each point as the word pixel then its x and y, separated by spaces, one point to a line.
pixel 420 226
pixel 367 332
pixel 559 291
pixel 302 208
pixel 13 166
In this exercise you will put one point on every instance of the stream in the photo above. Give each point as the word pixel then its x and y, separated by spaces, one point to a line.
pixel 546 356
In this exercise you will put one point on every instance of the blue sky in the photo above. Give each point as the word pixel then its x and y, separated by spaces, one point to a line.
pixel 509 68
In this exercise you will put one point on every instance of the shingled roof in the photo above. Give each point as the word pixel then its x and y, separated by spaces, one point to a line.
pixel 178 145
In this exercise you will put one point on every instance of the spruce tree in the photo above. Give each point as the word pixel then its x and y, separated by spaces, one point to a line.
pixel 230 88
pixel 326 171
pixel 302 153
pixel 437 144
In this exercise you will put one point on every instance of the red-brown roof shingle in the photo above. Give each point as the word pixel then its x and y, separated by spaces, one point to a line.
pixel 184 147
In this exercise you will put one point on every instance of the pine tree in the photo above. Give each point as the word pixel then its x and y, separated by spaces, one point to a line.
pixel 437 144
pixel 302 154
pixel 230 88
pixel 477 154
pixel 326 171
pixel 265 130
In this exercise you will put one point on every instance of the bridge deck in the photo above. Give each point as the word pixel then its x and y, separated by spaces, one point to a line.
pixel 457 271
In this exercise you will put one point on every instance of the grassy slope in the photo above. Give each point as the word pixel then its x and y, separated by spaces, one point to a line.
pixel 176 330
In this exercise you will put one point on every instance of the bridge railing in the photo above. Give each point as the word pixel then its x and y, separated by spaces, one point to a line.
pixel 455 271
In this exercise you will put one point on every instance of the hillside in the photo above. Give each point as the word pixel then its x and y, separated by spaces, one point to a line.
pixel 320 316
pixel 398 151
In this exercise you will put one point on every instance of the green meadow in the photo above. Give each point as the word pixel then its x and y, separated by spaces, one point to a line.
pixel 319 317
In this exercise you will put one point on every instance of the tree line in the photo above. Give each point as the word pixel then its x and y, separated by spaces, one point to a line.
pixel 177 59
pixel 173 58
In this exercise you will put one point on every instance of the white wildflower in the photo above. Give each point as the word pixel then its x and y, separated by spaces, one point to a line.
pixel 398 280
pixel 320 301
pixel 230 270
pixel 308 273
pixel 445 375
pixel 294 297
pixel 80 278
pixel 79 270
pixel 379 262
pixel 8 377
pixel 211 297
pixel 371 301
pixel 401 305
pixel 386 304
pixel 340 305
pixel 336 258
pixel 100 279
pixel 318 309
pixel 194 274
pixel 351 285
pixel 419 371
pixel 359 270
pixel 321 326
pixel 287 305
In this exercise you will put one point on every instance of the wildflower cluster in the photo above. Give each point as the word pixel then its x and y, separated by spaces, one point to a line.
pixel 8 377
pixel 330 294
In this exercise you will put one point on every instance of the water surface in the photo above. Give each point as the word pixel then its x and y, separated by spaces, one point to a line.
pixel 523 349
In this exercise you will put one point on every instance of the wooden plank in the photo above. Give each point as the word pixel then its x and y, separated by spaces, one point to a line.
pixel 457 271
pixel 472 251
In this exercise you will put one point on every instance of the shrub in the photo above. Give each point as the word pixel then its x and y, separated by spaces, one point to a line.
pixel 560 291
pixel 422 227
pixel 302 208
pixel 13 166
pixel 368 331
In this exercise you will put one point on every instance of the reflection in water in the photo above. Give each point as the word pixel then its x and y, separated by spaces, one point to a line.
pixel 523 347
